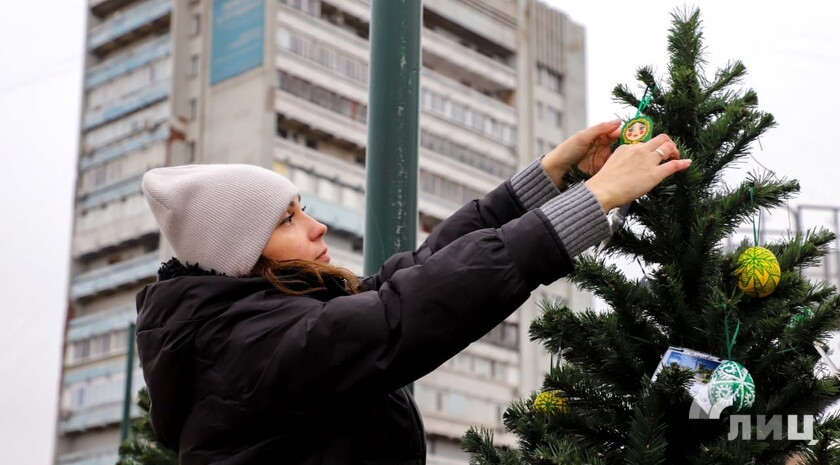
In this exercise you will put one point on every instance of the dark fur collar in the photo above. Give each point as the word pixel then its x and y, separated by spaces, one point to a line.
pixel 334 286
pixel 174 269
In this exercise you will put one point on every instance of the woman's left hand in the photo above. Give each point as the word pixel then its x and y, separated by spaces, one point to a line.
pixel 589 149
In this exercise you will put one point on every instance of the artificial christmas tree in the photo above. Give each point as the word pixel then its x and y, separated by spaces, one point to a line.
pixel 142 448
pixel 734 322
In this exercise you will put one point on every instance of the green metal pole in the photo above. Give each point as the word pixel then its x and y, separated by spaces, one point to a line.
pixel 393 130
pixel 129 376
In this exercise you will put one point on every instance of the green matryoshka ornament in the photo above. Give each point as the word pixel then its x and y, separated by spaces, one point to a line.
pixel 636 130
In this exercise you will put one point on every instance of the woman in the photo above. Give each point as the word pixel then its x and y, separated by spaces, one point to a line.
pixel 256 350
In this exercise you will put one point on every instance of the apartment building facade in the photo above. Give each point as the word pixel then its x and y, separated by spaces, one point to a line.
pixel 283 84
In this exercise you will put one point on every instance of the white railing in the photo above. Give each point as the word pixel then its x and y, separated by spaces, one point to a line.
pixel 128 20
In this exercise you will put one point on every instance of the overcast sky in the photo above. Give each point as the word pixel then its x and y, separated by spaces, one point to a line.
pixel 792 53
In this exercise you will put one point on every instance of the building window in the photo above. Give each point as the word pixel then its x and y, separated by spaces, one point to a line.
pixel 465 155
pixel 463 114
pixel 555 117
pixel 550 79
pixel 482 366
pixel 195 24
pixel 446 189
pixel 500 372
pixel 193 108
pixel 505 335
pixel 194 65
pixel 97 347
pixel 147 119
pixel 322 97
pixel 310 7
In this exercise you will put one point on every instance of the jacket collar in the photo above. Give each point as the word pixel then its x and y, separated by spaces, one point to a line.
pixel 335 287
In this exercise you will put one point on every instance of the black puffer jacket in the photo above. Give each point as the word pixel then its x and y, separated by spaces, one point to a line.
pixel 240 373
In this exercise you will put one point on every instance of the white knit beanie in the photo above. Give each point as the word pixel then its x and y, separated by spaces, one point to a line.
pixel 218 217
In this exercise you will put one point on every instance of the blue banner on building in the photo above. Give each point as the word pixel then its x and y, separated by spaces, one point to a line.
pixel 237 40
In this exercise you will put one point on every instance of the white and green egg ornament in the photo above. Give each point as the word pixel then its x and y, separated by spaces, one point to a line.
pixel 758 272
pixel 732 385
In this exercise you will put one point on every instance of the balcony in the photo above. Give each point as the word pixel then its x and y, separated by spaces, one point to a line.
pixel 345 172
pixel 87 373
pixel 336 216
pixel 115 276
pixel 129 61
pixel 325 122
pixel 118 228
pixel 332 63
pixel 321 76
pixel 102 8
pixel 111 192
pixel 128 25
pixel 93 396
pixel 100 323
pixel 434 206
pixel 107 456
pixel 358 8
pixel 294 20
pixel 449 57
pixel 152 94
pixel 434 460
pixel 470 97
pixel 492 23
pixel 124 147
pixel 350 260
pixel 104 414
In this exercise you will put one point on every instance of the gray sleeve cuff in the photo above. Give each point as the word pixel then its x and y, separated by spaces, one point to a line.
pixel 578 218
pixel 533 186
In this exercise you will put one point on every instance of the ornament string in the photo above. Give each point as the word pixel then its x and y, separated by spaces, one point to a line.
pixel 647 97
pixel 730 337
pixel 755 228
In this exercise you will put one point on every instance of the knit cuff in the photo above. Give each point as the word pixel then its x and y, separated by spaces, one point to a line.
pixel 532 186
pixel 578 218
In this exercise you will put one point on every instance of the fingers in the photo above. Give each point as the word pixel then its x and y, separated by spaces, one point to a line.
pixel 635 169
pixel 667 151
pixel 657 142
pixel 674 166
pixel 609 129
pixel 663 147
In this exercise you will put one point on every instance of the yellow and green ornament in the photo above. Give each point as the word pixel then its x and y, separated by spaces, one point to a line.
pixel 758 272
pixel 757 269
pixel 549 402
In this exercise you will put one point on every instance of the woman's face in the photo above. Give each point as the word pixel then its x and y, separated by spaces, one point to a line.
pixel 298 236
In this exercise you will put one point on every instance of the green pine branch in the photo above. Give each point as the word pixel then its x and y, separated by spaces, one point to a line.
pixel 142 448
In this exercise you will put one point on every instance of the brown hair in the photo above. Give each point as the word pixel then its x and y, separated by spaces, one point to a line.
pixel 303 277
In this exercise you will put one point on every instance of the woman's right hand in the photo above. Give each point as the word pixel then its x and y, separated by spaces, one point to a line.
pixel 633 170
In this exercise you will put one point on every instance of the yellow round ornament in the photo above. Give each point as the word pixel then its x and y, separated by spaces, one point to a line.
pixel 758 272
pixel 548 401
